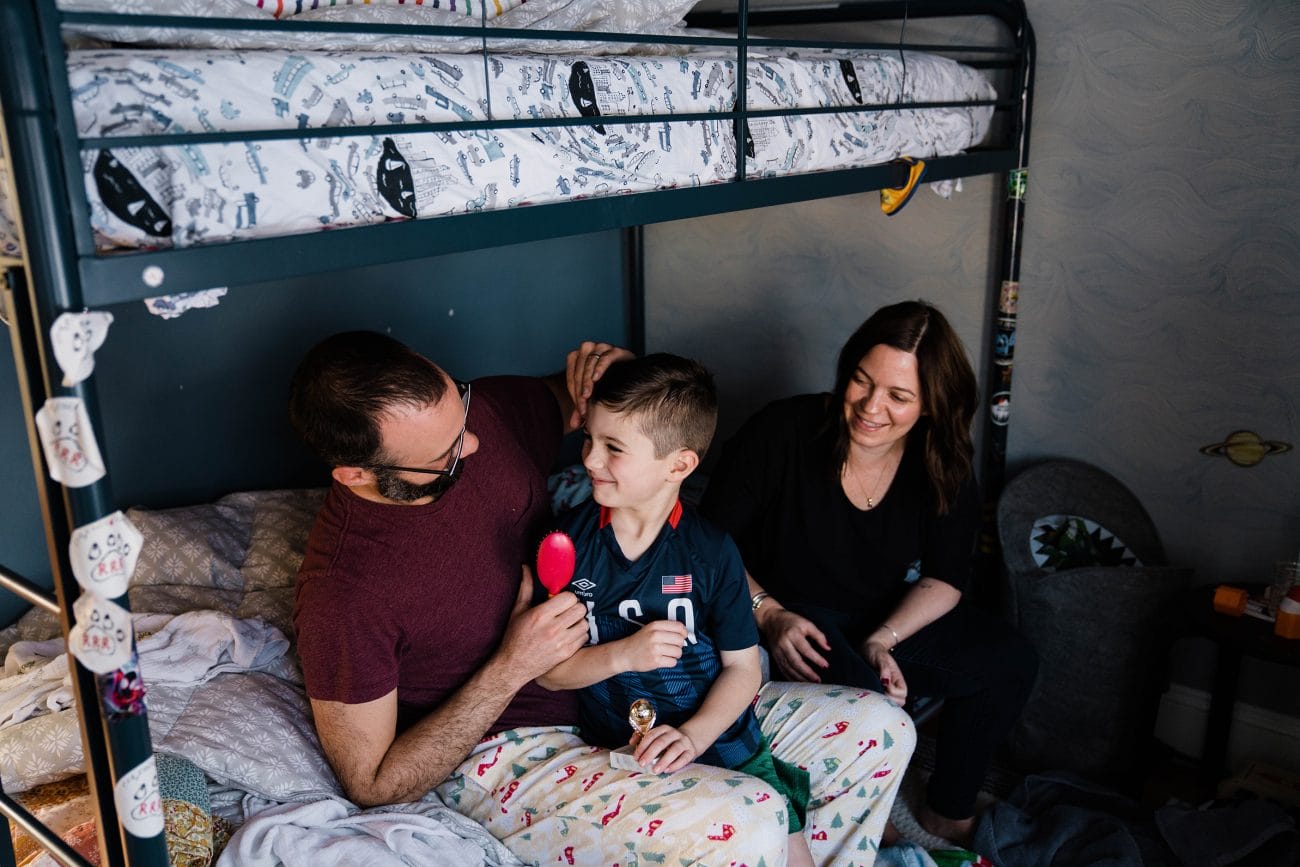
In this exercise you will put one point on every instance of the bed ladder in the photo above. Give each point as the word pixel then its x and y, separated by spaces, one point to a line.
pixel 112 747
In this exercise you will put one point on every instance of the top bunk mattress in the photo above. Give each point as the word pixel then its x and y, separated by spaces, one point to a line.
pixel 197 193
pixel 201 193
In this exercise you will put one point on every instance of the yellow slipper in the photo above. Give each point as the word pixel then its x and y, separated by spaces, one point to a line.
pixel 892 199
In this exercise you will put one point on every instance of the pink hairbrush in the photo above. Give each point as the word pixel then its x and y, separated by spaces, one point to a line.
pixel 555 561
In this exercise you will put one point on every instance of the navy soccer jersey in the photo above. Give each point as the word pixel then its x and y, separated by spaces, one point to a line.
pixel 692 573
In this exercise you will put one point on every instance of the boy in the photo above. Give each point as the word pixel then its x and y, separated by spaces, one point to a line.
pixel 668 608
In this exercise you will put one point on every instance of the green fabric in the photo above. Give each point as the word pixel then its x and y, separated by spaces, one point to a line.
pixel 789 780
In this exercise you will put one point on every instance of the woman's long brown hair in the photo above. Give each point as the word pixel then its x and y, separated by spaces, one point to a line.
pixel 949 392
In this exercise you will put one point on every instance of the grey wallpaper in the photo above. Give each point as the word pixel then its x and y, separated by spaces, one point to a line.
pixel 1159 305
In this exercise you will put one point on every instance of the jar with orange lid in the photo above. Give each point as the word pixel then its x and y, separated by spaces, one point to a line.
pixel 1287 623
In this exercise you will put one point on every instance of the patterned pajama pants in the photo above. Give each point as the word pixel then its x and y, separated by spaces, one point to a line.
pixel 552 799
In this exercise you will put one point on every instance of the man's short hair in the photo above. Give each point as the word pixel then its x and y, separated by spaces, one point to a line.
pixel 672 398
pixel 346 383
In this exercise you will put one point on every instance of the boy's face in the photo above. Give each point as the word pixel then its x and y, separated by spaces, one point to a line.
pixel 621 460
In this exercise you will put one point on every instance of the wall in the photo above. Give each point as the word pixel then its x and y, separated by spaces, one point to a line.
pixel 1159 304
pixel 194 407
pixel 1159 309
pixel 22 535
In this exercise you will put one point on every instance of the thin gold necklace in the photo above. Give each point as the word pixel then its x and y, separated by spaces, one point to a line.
pixel 871 501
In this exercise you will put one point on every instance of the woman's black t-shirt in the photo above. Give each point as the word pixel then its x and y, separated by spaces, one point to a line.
pixel 775 491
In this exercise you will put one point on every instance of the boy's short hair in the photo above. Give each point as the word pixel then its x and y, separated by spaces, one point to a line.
pixel 673 398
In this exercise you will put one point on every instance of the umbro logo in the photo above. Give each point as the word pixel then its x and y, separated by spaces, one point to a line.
pixel 584 584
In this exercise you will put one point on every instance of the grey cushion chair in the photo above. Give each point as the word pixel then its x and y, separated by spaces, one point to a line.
pixel 1103 633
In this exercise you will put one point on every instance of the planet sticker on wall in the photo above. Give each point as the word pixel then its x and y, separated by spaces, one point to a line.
pixel 1245 448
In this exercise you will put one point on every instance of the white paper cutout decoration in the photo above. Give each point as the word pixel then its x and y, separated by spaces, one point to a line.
pixel 101 640
pixel 71 452
pixel 171 306
pixel 104 554
pixel 75 337
pixel 139 803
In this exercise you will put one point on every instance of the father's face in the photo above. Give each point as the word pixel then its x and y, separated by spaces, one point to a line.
pixel 425 448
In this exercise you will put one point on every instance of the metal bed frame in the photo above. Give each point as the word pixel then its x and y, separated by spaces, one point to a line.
pixel 60 269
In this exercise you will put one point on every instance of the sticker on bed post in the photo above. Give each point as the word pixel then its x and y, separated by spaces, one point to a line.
pixel 75 337
pixel 122 691
pixel 139 803
pixel 1009 297
pixel 101 639
pixel 1004 340
pixel 71 452
pixel 1000 408
pixel 1017 184
pixel 104 555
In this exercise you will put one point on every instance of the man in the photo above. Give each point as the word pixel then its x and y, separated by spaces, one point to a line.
pixel 420 646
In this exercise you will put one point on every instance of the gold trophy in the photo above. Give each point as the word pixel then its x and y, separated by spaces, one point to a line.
pixel 641 716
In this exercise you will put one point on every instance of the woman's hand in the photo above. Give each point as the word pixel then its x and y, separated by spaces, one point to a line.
pixel 792 641
pixel 664 749
pixel 891 676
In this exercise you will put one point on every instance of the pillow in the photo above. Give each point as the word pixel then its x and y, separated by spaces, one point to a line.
pixel 1060 542
pixel 281 522
pixel 238 555
pixel 191 557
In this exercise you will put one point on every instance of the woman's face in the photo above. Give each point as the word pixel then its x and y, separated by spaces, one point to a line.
pixel 883 400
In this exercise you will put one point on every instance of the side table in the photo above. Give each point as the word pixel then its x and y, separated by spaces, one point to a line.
pixel 1234 638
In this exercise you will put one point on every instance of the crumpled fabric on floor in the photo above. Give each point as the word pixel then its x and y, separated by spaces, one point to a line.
pixel 1226 832
pixel 1063 820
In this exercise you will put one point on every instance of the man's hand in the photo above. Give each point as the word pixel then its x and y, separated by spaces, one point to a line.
pixel 582 368
pixel 664 749
pixel 793 641
pixel 539 638
pixel 658 644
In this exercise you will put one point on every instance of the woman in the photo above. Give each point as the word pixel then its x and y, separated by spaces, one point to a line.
pixel 856 514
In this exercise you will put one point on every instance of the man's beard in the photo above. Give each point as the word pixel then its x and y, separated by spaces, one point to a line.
pixel 394 488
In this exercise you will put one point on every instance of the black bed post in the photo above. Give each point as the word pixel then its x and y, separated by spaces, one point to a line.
pixel 634 287
pixel 43 162
pixel 1005 294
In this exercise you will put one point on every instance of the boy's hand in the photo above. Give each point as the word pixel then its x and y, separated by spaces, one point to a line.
pixel 658 644
pixel 664 750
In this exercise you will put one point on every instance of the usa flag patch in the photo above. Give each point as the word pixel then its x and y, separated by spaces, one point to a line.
pixel 675 584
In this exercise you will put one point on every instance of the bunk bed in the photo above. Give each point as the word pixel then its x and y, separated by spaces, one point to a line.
pixel 130 176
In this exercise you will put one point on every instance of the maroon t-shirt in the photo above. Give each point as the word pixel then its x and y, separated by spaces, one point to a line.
pixel 416 598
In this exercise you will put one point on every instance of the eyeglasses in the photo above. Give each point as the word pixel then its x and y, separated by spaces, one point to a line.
pixel 464 389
